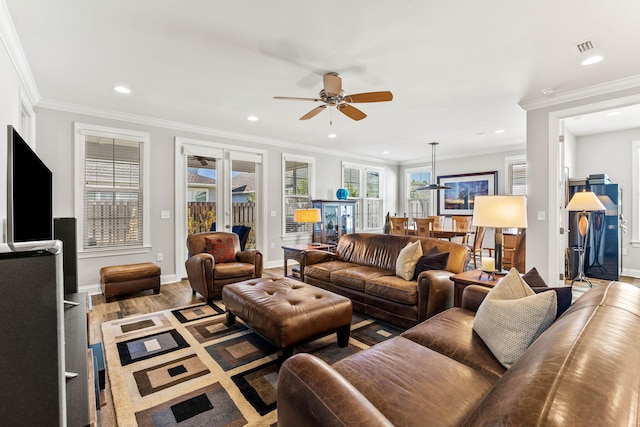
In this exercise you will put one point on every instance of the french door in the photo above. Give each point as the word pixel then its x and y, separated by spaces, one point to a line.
pixel 221 189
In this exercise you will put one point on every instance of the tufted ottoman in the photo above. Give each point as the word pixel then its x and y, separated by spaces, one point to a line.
pixel 288 312
pixel 129 278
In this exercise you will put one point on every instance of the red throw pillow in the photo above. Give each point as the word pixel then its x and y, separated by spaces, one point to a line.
pixel 222 249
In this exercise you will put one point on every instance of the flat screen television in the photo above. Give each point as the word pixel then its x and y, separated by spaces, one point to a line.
pixel 29 193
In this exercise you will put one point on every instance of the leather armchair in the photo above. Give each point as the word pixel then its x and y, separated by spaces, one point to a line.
pixel 208 277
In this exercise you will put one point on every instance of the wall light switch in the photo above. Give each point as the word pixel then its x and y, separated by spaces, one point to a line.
pixel 165 214
pixel 541 215
pixel 273 213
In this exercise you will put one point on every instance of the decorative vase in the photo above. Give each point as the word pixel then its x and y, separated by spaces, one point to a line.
pixel 387 224
pixel 342 194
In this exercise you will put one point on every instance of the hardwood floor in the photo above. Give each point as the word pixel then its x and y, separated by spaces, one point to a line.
pixel 171 295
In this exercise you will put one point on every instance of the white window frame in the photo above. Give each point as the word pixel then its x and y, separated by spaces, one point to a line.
pixel 407 190
pixel 509 161
pixel 81 131
pixel 362 211
pixel 635 194
pixel 311 162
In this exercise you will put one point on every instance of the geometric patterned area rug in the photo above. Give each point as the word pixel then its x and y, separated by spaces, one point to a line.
pixel 185 367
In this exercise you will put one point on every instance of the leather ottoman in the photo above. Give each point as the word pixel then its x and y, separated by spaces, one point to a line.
pixel 288 312
pixel 129 278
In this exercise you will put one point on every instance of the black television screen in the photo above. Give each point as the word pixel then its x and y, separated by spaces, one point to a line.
pixel 29 193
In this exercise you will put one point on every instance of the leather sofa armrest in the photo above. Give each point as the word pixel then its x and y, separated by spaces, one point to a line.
pixel 311 393
pixel 200 271
pixel 472 297
pixel 435 293
pixel 251 256
pixel 315 256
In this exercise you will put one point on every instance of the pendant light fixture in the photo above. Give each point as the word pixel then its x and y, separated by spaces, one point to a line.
pixel 433 185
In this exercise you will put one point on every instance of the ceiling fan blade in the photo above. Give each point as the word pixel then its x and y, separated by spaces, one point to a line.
pixel 332 84
pixel 313 112
pixel 351 111
pixel 369 97
pixel 293 98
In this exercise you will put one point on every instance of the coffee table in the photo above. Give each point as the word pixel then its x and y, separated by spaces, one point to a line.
pixel 293 252
pixel 288 312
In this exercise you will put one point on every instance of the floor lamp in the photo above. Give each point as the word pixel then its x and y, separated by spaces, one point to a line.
pixel 500 212
pixel 583 202
pixel 308 216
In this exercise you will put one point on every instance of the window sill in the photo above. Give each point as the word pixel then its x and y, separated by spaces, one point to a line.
pixel 113 252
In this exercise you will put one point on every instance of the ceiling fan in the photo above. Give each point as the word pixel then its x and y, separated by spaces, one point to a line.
pixel 332 95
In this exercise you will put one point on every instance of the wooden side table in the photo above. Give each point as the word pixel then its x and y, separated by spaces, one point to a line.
pixel 293 252
pixel 471 277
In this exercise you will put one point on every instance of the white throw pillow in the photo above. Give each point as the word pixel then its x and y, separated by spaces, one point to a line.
pixel 512 317
pixel 407 260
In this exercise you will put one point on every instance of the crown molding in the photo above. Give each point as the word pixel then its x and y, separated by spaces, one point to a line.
pixel 185 127
pixel 16 54
pixel 578 94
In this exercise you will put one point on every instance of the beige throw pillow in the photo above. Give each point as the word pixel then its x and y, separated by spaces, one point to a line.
pixel 512 317
pixel 407 260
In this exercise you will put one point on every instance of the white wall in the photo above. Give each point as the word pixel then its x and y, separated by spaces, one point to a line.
pixel 56 139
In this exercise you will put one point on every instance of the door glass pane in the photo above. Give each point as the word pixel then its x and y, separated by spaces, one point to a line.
pixel 243 202
pixel 202 194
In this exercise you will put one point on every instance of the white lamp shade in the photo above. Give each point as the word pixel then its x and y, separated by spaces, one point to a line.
pixel 585 201
pixel 307 215
pixel 500 211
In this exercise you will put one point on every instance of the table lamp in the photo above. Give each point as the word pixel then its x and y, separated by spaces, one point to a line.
pixel 584 202
pixel 500 212
pixel 309 216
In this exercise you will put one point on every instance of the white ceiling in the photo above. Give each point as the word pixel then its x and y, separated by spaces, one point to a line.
pixel 457 69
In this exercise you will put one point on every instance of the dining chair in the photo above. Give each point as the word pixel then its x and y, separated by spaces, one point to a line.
pixel 514 250
pixel 438 221
pixel 399 225
pixel 424 226
pixel 476 246
pixel 462 223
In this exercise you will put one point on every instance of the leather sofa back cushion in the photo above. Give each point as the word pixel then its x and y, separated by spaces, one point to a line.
pixel 222 249
pixel 512 317
pixel 382 250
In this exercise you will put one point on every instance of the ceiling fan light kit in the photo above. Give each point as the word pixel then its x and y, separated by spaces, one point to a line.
pixel 332 95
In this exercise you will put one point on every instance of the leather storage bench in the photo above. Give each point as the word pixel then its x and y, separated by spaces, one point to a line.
pixel 124 279
pixel 288 312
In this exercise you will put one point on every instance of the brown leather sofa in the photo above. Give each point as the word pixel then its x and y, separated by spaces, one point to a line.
pixel 208 277
pixel 363 268
pixel 582 371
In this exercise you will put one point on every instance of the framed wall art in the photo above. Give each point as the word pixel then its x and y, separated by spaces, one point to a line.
pixel 458 199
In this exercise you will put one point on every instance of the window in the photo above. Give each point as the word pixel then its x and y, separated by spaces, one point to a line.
pixel 298 183
pixel 112 182
pixel 419 202
pixel 365 185
pixel 516 176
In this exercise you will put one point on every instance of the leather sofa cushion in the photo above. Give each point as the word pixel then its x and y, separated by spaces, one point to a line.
pixel 393 288
pixel 233 269
pixel 323 270
pixel 356 277
pixel 451 334
pixel 414 385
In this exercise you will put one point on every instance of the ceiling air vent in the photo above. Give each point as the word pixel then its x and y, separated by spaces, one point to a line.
pixel 585 46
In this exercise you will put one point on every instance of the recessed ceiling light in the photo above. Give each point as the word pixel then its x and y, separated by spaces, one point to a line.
pixel 385 152
pixel 122 89
pixel 252 118
pixel 613 113
pixel 498 131
pixel 592 60
pixel 549 91
pixel 332 135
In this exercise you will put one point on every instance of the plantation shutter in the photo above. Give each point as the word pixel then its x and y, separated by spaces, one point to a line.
pixel 113 192
pixel 518 179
